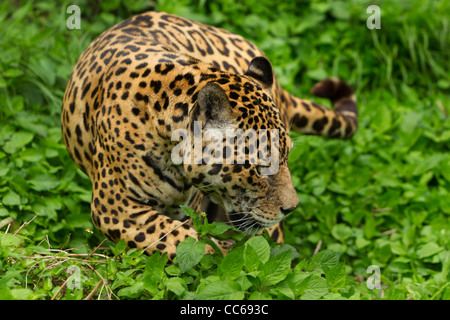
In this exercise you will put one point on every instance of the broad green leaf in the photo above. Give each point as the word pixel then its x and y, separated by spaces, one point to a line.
pixel 340 10
pixel 283 293
pixel 48 284
pixel 336 276
pixel 221 290
pixel 10 240
pixel 155 264
pixel 315 288
pixel 258 295
pixel 5 293
pixel 231 265
pixel 284 247
pixel 189 253
pixel 190 212
pixel 369 227
pixel 48 207
pixel 398 249
pixel 218 228
pixel 261 247
pixel 361 243
pixel 12 73
pixel 317 74
pixel 327 258
pixel 18 141
pixel 382 120
pixel 173 269
pixel 44 182
pixel 276 269
pixel 134 291
pixel 428 250
pixel 341 231
pixel 11 199
pixel 3 171
pixel 251 259
pixel 32 155
pixel 176 285
pixel 429 163
pixel 21 294
pixel 121 246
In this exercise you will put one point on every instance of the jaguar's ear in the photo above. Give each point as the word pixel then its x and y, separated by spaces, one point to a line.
pixel 213 106
pixel 260 69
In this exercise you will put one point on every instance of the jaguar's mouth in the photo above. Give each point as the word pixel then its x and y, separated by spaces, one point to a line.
pixel 245 221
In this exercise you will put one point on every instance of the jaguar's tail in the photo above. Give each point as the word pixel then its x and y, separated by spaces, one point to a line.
pixel 312 118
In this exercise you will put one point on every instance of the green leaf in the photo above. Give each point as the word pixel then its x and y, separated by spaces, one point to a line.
pixel 443 84
pixel 176 285
pixel 314 287
pixel 276 269
pixel 261 247
pixel 428 250
pixel 11 199
pixel 21 294
pixel 284 247
pixel 121 246
pixel 190 212
pixel 133 291
pixel 369 227
pixel 260 295
pixel 202 225
pixel 336 276
pixel 156 264
pixel 231 265
pixel 429 163
pixel 47 207
pixel 221 290
pixel 48 285
pixel 5 292
pixel 110 5
pixel 44 182
pixel 12 73
pixel 283 293
pixel 189 253
pixel 173 270
pixel 251 259
pixel 361 243
pixel 18 141
pixel 317 74
pixel 382 120
pixel 340 10
pixel 341 231
pixel 326 258
pixel 10 240
pixel 3 171
pixel 218 228
pixel 32 155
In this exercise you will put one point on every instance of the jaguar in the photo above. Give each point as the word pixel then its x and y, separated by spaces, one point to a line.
pixel 155 73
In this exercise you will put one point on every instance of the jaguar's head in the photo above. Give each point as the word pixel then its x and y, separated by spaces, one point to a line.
pixel 239 155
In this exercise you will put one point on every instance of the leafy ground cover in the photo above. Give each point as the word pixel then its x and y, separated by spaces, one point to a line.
pixel 380 199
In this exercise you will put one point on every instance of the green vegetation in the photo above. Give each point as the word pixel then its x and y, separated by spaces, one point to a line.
pixel 381 198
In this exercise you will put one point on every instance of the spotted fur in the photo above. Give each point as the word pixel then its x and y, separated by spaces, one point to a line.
pixel 155 73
